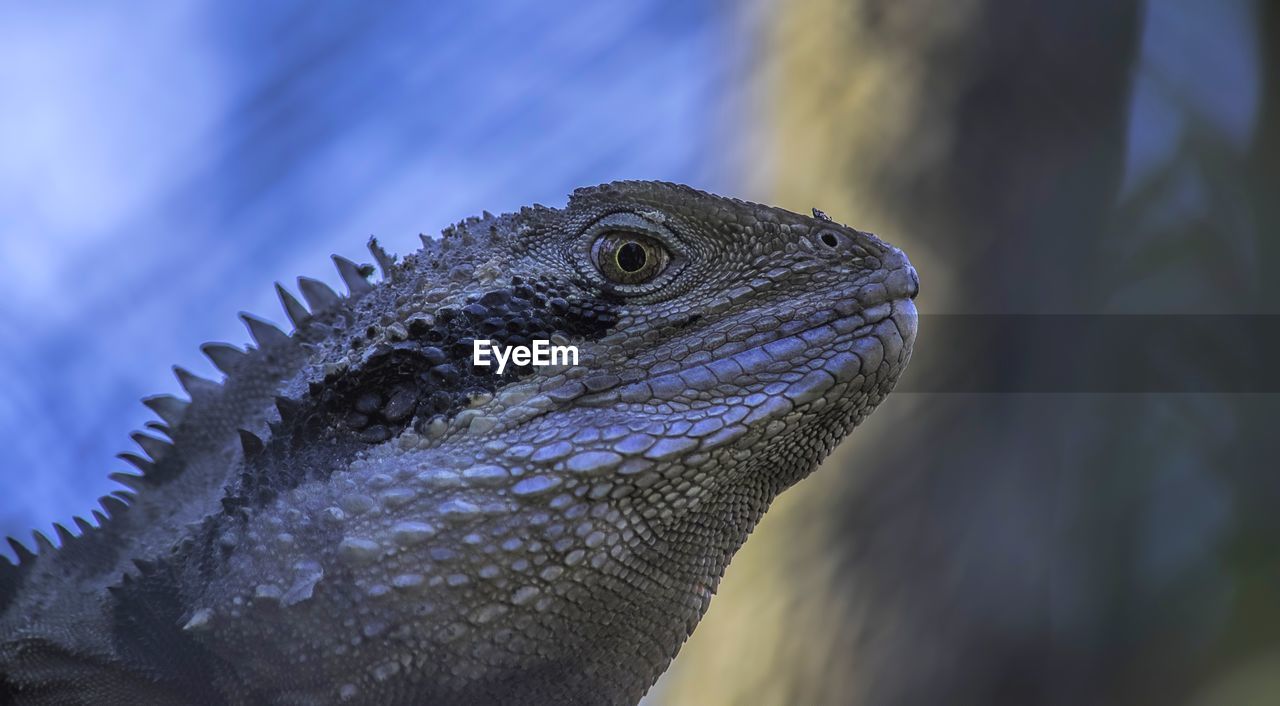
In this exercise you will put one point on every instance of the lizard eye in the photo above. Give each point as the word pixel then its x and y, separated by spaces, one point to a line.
pixel 629 258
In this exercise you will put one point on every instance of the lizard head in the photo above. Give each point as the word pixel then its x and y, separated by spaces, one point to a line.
pixel 363 512
pixel 741 329
pixel 579 512
pixel 724 346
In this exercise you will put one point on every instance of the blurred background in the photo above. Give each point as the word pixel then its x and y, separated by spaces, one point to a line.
pixel 162 163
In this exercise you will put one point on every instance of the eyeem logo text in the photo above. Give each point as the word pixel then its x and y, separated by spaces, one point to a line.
pixel 540 353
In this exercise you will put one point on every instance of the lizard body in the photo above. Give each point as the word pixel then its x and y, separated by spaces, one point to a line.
pixel 359 515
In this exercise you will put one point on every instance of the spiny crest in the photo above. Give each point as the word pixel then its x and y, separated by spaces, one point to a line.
pixel 167 407
pixel 250 444
pixel 263 333
pixel 43 545
pixel 224 356
pixel 230 359
pixel 154 447
pixel 354 276
pixel 117 503
pixel 196 386
pixel 138 462
pixel 318 294
pixel 84 547
pixel 129 480
pixel 11 574
pixel 289 409
pixel 172 411
pixel 386 262
pixel 25 556
pixel 297 313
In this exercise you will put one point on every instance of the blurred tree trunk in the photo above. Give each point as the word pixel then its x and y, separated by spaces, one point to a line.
pixel 934 559
pixel 1248 665
pixel 1020 549
pixel 1266 156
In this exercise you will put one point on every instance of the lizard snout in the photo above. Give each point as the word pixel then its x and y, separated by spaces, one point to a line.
pixel 903 281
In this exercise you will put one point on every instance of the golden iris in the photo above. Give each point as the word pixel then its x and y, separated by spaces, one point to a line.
pixel 629 258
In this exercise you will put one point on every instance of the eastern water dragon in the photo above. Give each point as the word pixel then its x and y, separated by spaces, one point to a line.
pixel 359 514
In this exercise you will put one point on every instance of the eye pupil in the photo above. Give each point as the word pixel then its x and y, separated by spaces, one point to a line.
pixel 631 257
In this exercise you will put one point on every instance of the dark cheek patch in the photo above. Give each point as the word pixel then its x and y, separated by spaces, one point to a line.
pixel 414 381
pixel 431 374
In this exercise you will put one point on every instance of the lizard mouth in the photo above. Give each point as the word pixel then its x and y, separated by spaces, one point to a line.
pixel 882 343
pixel 874 343
pixel 868 334
pixel 835 350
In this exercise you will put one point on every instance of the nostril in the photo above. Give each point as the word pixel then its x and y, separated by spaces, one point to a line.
pixel 829 239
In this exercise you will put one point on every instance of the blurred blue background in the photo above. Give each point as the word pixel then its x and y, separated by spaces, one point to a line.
pixel 161 164
pixel 164 163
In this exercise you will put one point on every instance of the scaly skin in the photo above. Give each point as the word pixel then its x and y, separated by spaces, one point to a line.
pixel 356 515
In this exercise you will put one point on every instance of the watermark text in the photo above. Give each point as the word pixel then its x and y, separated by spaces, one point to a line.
pixel 540 352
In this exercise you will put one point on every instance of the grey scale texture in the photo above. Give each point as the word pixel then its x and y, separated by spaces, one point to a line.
pixel 357 515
